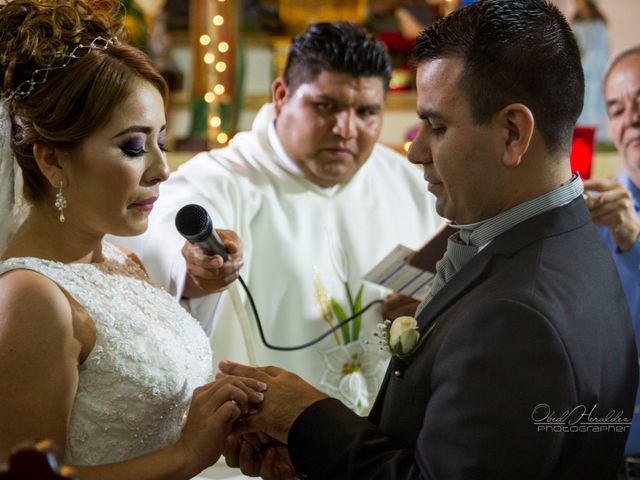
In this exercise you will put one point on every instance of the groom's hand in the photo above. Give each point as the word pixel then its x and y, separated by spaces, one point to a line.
pixel 286 397
pixel 259 456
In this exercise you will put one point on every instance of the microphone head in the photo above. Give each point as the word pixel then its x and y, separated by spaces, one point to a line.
pixel 193 222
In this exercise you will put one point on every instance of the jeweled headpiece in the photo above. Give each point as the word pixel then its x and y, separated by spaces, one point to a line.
pixel 40 75
pixel 13 208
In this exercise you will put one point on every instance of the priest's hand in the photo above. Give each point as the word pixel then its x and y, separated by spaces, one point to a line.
pixel 398 305
pixel 285 398
pixel 612 206
pixel 209 273
pixel 258 455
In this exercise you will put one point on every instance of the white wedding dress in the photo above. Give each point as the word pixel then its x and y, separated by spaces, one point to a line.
pixel 136 384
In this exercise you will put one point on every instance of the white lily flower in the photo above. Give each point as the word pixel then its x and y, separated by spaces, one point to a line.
pixel 353 388
pixel 341 363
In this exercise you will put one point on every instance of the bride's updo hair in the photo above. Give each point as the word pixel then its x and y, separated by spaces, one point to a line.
pixel 75 100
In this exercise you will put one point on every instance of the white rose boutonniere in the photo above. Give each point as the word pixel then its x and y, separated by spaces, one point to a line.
pixel 401 337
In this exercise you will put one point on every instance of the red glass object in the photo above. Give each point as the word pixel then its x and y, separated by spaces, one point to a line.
pixel 582 147
pixel 396 43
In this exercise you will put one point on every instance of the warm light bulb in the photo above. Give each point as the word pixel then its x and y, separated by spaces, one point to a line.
pixel 222 138
pixel 223 47
pixel 221 66
pixel 209 58
pixel 218 89
pixel 209 97
pixel 205 39
pixel 218 20
pixel 407 146
pixel 215 122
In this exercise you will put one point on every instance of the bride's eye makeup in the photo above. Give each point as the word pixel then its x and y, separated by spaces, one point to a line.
pixel 162 141
pixel 133 147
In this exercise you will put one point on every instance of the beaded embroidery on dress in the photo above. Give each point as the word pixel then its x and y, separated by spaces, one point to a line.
pixel 136 384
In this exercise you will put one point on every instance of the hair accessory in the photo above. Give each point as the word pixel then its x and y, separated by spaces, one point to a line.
pixel 61 202
pixel 40 75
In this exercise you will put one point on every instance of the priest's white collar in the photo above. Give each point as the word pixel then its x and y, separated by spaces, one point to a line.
pixel 281 156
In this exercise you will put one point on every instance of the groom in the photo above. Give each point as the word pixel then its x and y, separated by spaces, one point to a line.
pixel 529 368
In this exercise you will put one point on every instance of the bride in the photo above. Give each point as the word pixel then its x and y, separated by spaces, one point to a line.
pixel 92 355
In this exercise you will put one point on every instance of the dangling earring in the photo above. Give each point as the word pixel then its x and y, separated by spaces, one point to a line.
pixel 61 202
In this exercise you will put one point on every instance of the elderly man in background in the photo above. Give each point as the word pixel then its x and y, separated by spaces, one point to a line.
pixel 316 202
pixel 615 204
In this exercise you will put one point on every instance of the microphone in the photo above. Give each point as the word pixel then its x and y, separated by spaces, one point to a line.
pixel 194 223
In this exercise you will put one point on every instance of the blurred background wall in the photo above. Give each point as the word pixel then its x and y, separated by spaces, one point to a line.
pixel 222 55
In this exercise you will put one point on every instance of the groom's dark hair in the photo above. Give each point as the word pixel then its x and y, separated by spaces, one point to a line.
pixel 514 51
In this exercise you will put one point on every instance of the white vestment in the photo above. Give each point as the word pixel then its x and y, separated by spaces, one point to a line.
pixel 295 236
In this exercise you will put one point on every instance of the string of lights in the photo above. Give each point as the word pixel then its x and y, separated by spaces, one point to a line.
pixel 216 58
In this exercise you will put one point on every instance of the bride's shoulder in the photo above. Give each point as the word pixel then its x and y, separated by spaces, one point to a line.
pixel 128 254
pixel 33 302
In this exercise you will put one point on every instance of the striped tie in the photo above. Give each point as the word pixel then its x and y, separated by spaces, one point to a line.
pixel 458 254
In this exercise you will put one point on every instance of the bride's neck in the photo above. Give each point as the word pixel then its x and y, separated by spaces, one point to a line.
pixel 42 235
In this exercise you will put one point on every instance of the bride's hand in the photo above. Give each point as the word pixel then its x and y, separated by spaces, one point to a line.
pixel 214 408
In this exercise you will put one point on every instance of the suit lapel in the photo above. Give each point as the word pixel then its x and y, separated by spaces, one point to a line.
pixel 449 293
pixel 556 221
pixel 454 288
pixel 559 220
pixel 376 409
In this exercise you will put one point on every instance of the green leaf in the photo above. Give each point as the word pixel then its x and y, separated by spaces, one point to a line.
pixel 349 297
pixel 358 320
pixel 339 313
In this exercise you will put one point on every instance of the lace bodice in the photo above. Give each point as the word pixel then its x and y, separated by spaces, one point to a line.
pixel 136 384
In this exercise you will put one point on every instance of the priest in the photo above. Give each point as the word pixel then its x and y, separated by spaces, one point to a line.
pixel 317 203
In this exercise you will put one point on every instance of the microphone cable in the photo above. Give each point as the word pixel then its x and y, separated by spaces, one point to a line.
pixel 194 223
pixel 310 342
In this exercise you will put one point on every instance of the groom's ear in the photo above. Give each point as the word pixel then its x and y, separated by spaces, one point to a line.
pixel 517 124
pixel 51 163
